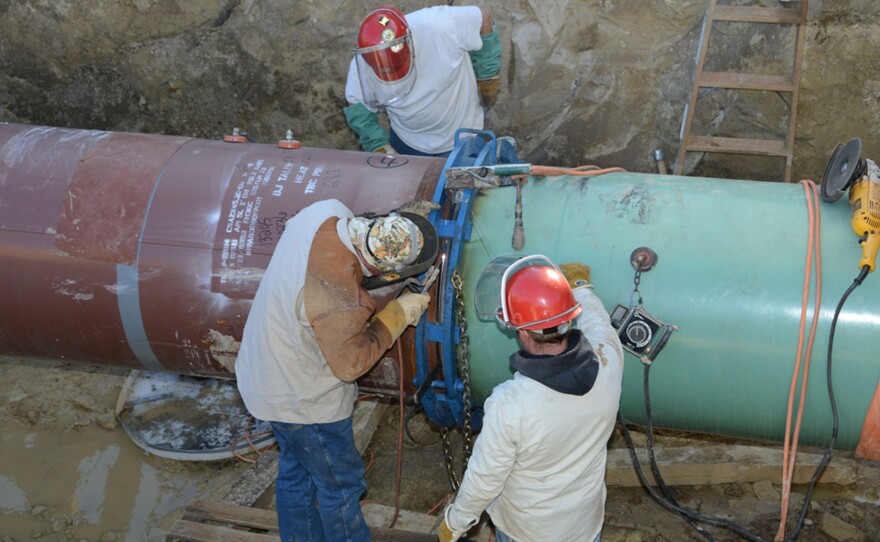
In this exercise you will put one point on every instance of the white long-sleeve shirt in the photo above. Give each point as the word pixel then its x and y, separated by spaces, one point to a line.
pixel 538 465
pixel 444 96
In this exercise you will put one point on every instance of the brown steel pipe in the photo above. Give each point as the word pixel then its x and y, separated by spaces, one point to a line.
pixel 145 251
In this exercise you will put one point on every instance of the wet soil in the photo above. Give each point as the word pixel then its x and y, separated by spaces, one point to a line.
pixel 68 471
pixel 632 515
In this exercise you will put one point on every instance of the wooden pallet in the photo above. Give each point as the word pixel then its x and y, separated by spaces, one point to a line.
pixel 205 521
pixel 788 83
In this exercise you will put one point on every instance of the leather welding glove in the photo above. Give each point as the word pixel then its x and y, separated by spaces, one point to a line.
pixel 489 89
pixel 386 149
pixel 421 207
pixel 577 274
pixel 402 312
pixel 445 534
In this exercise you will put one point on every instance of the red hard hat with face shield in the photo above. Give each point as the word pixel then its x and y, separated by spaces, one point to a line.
pixel 383 35
pixel 536 297
pixel 385 56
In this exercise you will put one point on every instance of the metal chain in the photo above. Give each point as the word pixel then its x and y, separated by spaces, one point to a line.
pixel 636 280
pixel 464 369
pixel 464 376
pixel 447 458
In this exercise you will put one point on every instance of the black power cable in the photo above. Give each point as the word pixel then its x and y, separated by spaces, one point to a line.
pixel 670 503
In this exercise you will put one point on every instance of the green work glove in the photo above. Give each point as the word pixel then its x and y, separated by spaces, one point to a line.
pixel 487 59
pixel 365 124
pixel 577 274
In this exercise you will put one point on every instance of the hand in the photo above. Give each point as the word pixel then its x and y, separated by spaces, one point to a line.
pixel 421 207
pixel 386 149
pixel 445 534
pixel 489 89
pixel 413 306
pixel 577 274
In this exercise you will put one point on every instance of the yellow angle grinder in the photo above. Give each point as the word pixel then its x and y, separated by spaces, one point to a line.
pixel 847 170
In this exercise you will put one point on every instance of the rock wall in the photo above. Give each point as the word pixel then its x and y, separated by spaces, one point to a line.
pixel 584 81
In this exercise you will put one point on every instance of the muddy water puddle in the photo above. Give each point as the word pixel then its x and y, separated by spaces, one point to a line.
pixel 68 470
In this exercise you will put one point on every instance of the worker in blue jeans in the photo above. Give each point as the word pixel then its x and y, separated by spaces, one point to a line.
pixel 319 458
pixel 312 330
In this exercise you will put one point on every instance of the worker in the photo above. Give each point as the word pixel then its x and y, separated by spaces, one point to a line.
pixel 311 331
pixel 538 465
pixel 429 70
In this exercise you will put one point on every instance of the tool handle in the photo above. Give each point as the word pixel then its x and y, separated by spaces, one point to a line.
pixel 870 246
pixel 506 170
pixel 519 235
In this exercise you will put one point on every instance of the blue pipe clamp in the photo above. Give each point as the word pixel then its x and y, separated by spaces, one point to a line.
pixel 441 395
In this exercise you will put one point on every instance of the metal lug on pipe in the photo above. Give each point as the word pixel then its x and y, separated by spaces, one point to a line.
pixel 236 137
pixel 643 259
pixel 660 159
pixel 288 142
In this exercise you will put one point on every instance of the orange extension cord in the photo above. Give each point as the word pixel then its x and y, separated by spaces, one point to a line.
pixel 579 171
pixel 789 452
pixel 399 439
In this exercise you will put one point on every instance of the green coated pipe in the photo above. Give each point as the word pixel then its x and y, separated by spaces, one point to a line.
pixel 730 276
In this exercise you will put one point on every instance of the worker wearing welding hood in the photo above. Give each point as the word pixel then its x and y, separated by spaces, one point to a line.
pixel 538 465
pixel 311 331
pixel 430 70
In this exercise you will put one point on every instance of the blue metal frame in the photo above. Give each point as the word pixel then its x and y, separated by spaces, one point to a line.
pixel 442 397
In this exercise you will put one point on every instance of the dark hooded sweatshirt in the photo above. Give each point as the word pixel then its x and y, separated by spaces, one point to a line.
pixel 572 372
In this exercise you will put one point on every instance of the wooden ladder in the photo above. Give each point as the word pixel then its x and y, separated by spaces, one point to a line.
pixel 796 16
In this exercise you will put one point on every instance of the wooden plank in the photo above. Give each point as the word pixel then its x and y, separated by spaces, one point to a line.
pixel 234 518
pixel 380 514
pixel 747 81
pixel 383 534
pixel 257 518
pixel 728 464
pixel 761 147
pixel 756 14
pixel 191 531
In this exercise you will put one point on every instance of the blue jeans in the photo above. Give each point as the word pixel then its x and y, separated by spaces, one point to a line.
pixel 501 537
pixel 403 148
pixel 319 484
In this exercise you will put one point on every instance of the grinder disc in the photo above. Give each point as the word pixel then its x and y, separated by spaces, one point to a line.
pixel 841 170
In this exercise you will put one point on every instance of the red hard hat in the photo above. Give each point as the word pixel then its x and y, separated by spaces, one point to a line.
pixel 538 297
pixel 381 26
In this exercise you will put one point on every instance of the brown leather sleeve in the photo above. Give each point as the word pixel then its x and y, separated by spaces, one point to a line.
pixel 339 310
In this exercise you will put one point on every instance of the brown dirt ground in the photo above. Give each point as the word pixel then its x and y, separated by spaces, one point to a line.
pixel 62 401
pixel 631 514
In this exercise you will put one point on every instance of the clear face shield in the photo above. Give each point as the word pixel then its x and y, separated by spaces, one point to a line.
pixel 387 71
pixel 489 299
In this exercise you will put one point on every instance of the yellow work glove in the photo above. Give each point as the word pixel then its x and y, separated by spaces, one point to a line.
pixel 386 149
pixel 489 89
pixel 445 534
pixel 577 274
pixel 413 306
pixel 402 312
pixel 421 207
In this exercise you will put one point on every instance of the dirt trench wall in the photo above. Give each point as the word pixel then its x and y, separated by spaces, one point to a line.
pixel 583 81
